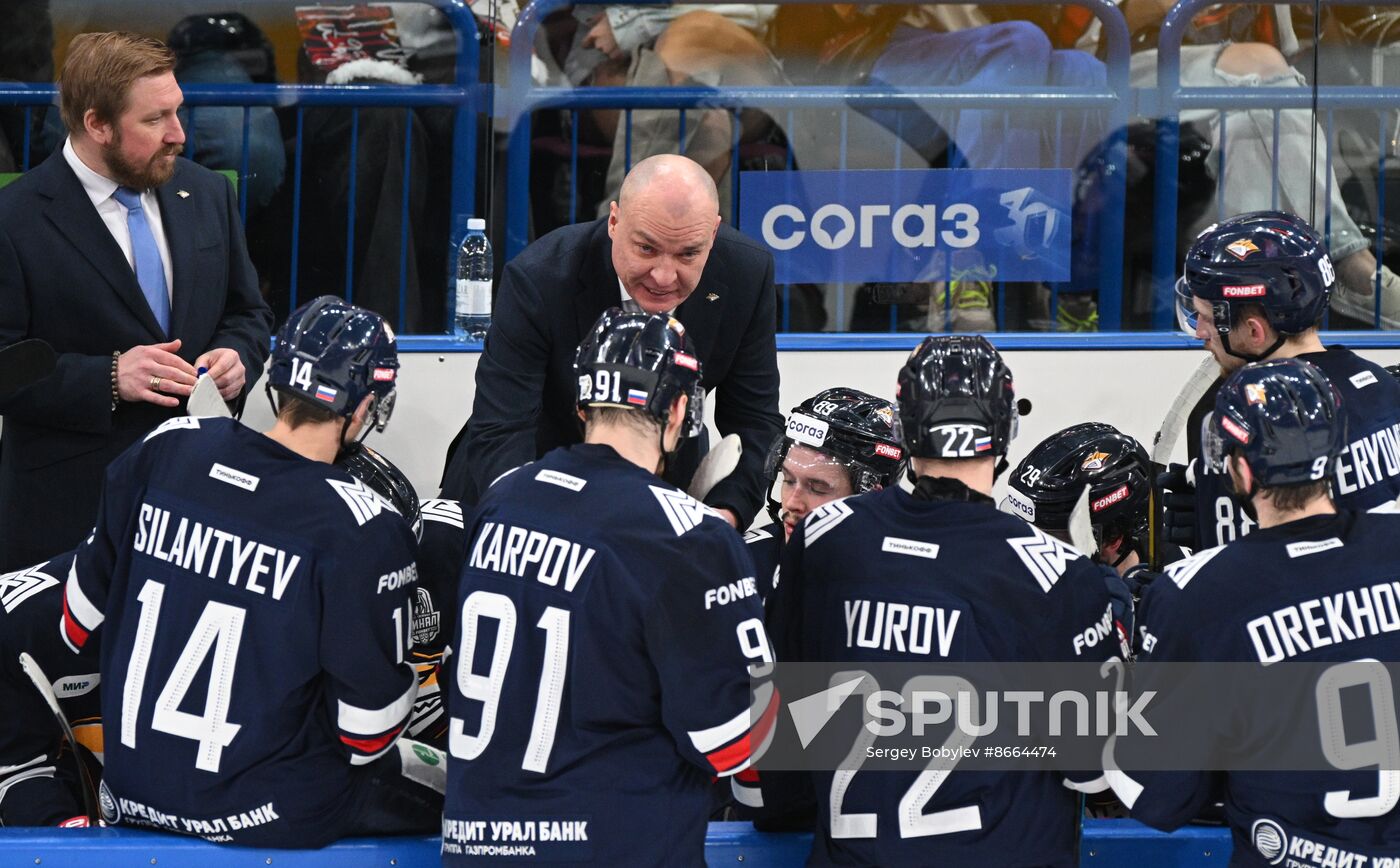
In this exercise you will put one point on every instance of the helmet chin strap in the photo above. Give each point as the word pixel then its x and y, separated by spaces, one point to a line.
pixel 1272 348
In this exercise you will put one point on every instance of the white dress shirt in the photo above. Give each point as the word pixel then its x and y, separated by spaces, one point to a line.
pixel 629 304
pixel 100 190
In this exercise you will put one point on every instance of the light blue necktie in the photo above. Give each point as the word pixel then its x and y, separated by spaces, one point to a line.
pixel 150 272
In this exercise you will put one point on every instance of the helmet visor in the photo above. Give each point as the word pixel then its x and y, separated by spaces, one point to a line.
pixel 1213 446
pixel 1186 316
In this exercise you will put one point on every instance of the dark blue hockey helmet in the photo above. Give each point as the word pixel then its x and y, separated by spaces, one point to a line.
pixel 1284 417
pixel 956 399
pixel 1266 258
pixel 1045 486
pixel 639 361
pixel 382 475
pixel 332 354
pixel 855 430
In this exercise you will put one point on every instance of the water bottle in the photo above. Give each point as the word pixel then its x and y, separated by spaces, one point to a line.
pixel 471 303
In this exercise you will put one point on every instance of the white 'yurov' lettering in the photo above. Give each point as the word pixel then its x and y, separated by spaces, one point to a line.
pixel 900 627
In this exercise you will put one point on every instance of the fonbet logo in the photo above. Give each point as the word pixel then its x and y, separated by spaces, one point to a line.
pixel 1269 840
pixel 834 226
pixel 1116 496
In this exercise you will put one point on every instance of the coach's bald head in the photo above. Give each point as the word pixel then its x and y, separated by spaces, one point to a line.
pixel 663 226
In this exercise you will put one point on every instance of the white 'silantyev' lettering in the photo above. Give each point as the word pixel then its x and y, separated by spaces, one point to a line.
pixel 214 553
pixel 1324 621
pixel 900 627
pixel 1370 460
pixel 517 551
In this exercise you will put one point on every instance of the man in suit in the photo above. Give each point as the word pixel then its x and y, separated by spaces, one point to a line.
pixel 131 262
pixel 661 249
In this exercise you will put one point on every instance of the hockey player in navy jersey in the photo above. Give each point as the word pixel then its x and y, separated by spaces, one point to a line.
pixel 599 672
pixel 41 781
pixel 251 605
pixel 1256 287
pixel 837 443
pixel 1276 432
pixel 437 525
pixel 1006 591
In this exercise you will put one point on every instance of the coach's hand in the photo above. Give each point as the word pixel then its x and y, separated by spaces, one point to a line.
pixel 153 373
pixel 226 368
pixel 1178 486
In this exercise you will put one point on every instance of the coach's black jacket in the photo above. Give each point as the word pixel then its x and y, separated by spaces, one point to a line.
pixel 64 279
pixel 552 293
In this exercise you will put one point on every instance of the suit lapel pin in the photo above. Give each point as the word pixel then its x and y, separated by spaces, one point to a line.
pixel 712 297
pixel 183 194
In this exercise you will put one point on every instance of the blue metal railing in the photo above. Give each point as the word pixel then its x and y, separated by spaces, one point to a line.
pixel 522 98
pixel 1172 98
pixel 467 95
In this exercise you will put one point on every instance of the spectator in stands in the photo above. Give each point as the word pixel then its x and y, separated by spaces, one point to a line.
pixel 661 249
pixel 131 262
pixel 26 55
pixel 1256 58
pixel 228 48
pixel 360 45
pixel 664 46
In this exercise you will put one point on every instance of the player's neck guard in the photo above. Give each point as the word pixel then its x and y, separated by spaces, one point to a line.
pixel 944 488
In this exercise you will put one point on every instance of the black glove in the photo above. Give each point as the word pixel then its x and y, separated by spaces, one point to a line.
pixel 1138 578
pixel 1178 486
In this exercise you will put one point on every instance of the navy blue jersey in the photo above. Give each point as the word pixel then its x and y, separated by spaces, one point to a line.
pixel 254 614
pixel 1368 471
pixel 1315 590
pixel 599 674
pixel 765 546
pixel 440 553
pixel 886 576
pixel 37 775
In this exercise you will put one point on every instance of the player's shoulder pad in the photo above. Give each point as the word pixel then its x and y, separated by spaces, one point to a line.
pixel 756 535
pixel 822 520
pixel 683 512
pixel 1046 558
pixel 1182 572
pixel 22 585
pixel 443 511
pixel 178 423
pixel 364 503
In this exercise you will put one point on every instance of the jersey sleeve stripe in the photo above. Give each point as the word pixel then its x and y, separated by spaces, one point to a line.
pixel 77 606
pixel 74 636
pixel 370 721
pixel 707 740
pixel 370 749
pixel 737 756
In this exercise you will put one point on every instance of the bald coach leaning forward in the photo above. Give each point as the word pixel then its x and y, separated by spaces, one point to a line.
pixel 661 249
